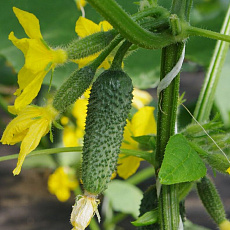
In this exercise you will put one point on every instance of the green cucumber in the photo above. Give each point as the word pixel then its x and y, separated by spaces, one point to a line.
pixel 108 108
pixel 78 82
pixel 211 200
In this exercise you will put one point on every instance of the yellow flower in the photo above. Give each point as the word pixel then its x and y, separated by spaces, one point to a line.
pixel 225 225
pixel 228 170
pixel 83 211
pixel 73 135
pixel 142 123
pixel 80 3
pixel 85 27
pixel 141 98
pixel 61 182
pixel 31 124
pixel 39 58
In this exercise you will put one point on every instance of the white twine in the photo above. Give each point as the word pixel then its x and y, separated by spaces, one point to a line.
pixel 181 226
pixel 158 187
pixel 164 83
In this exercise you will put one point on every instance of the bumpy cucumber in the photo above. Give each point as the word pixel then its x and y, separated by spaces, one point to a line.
pixel 73 88
pixel 108 108
pixel 211 200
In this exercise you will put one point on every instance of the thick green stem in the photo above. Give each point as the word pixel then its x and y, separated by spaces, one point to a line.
pixel 168 200
pixel 129 29
pixel 194 31
pixel 166 122
pixel 117 61
pixel 206 97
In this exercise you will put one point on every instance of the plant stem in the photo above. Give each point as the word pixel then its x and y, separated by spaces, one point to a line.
pixel 168 100
pixel 128 28
pixel 128 152
pixel 117 61
pixel 97 62
pixel 194 31
pixel 44 152
pixel 206 97
pixel 168 202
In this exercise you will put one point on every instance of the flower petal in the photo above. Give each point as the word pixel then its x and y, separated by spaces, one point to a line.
pixel 83 212
pixel 38 56
pixel 18 125
pixel 128 142
pixel 127 166
pixel 25 77
pixel 21 44
pixel 105 26
pixel 140 98
pixel 79 112
pixel 69 137
pixel 29 23
pixel 30 91
pixel 143 122
pixel 85 61
pixel 85 27
pixel 31 141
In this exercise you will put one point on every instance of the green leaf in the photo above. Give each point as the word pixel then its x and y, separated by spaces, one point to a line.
pixel 147 219
pixel 124 197
pixel 58 125
pixel 181 162
pixel 51 136
pixel 146 142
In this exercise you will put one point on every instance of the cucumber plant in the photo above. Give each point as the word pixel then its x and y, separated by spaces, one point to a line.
pixel 178 159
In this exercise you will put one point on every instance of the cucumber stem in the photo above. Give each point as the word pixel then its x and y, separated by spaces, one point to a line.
pixel 117 61
pixel 97 62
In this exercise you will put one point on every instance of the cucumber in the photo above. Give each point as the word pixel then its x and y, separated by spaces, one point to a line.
pixel 78 82
pixel 108 108
pixel 211 200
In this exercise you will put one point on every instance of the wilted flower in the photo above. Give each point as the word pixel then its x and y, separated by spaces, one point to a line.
pixel 83 211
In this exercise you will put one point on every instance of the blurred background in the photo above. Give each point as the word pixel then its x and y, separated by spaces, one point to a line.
pixel 25 200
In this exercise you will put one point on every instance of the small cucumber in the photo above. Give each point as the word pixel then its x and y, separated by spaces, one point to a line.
pixel 78 82
pixel 211 200
pixel 108 108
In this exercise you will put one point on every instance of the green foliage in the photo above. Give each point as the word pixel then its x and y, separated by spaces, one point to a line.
pixel 147 219
pixel 146 142
pixel 124 197
pixel 181 163
pixel 57 28
pixel 149 203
